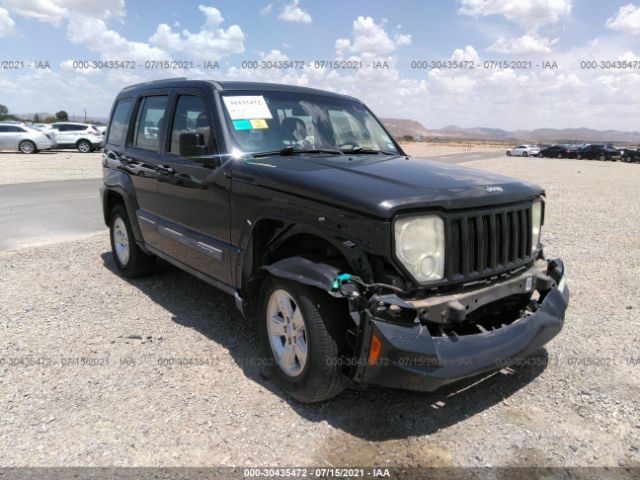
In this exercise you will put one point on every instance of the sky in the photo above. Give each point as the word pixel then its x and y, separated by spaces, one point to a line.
pixel 389 43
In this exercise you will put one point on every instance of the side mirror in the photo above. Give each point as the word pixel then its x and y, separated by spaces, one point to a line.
pixel 192 144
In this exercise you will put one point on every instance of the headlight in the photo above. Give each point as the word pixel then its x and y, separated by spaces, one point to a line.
pixel 420 246
pixel 536 224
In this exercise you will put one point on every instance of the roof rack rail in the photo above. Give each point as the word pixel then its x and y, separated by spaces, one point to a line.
pixel 160 80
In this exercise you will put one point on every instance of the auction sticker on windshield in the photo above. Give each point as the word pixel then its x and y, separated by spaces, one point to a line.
pixel 247 107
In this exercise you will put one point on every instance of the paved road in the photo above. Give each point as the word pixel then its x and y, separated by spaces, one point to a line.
pixel 46 212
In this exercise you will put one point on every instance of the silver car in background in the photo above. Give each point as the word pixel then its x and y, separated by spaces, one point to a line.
pixel 14 136
pixel 82 136
pixel 524 151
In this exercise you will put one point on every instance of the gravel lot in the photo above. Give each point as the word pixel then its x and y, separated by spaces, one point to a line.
pixel 134 404
pixel 48 165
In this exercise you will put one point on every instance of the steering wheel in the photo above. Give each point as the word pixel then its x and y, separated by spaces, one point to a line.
pixel 346 144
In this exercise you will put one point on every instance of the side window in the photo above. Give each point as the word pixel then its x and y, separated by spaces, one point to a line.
pixel 120 122
pixel 149 122
pixel 190 127
pixel 4 129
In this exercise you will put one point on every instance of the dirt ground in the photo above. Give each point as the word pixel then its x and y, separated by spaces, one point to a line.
pixel 428 150
pixel 48 165
pixel 163 371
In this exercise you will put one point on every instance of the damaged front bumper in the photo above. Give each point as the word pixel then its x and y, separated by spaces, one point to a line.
pixel 394 341
pixel 410 357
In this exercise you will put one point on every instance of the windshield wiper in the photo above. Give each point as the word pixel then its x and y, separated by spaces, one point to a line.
pixel 291 150
pixel 368 151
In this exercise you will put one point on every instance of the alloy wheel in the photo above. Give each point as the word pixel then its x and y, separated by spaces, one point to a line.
pixel 121 241
pixel 287 333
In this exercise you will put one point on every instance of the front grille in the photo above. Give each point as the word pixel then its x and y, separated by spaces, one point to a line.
pixel 487 242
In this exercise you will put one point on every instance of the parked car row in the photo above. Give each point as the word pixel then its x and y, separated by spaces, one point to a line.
pixel 630 155
pixel 596 151
pixel 41 136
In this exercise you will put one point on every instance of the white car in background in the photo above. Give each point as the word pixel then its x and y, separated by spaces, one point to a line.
pixel 15 136
pixel 524 151
pixel 82 136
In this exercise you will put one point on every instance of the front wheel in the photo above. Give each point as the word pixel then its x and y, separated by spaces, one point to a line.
pixel 579 157
pixel 525 154
pixel 603 158
pixel 128 256
pixel 27 146
pixel 302 333
pixel 84 146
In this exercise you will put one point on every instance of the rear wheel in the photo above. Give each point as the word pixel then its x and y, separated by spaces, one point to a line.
pixel 27 146
pixel 84 146
pixel 302 330
pixel 579 157
pixel 603 157
pixel 127 255
pixel 525 154
pixel 559 155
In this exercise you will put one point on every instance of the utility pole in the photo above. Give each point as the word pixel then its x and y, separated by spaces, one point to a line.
pixel 85 115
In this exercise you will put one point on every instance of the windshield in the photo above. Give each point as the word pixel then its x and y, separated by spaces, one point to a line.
pixel 274 121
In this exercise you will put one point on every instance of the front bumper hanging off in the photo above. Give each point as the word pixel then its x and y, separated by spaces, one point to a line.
pixel 403 353
pixel 409 357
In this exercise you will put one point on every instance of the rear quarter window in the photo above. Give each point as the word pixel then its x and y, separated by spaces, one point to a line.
pixel 119 124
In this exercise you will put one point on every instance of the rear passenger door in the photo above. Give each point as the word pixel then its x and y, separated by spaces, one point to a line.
pixel 142 156
pixel 193 192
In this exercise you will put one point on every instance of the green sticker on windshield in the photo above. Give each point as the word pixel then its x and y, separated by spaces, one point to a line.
pixel 242 124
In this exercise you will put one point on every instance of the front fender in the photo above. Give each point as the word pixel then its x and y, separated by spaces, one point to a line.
pixel 302 270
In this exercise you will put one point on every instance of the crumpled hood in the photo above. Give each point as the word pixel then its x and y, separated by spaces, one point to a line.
pixel 382 186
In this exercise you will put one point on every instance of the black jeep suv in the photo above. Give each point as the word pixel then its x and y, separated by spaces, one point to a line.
pixel 360 264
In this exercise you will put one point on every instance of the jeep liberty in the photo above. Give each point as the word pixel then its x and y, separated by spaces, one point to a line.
pixel 359 263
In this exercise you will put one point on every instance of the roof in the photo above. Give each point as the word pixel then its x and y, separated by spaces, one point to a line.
pixel 233 86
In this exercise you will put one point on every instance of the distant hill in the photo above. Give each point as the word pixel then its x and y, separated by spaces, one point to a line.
pixel 401 127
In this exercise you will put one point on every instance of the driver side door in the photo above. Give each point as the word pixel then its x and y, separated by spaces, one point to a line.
pixel 193 192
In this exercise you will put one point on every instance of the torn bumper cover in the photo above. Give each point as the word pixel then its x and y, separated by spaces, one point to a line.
pixel 408 356
pixel 411 358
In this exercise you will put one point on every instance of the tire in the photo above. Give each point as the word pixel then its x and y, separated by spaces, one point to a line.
pixel 27 147
pixel 508 154
pixel 525 154
pixel 559 155
pixel 603 158
pixel 135 263
pixel 308 377
pixel 84 146
pixel 579 157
